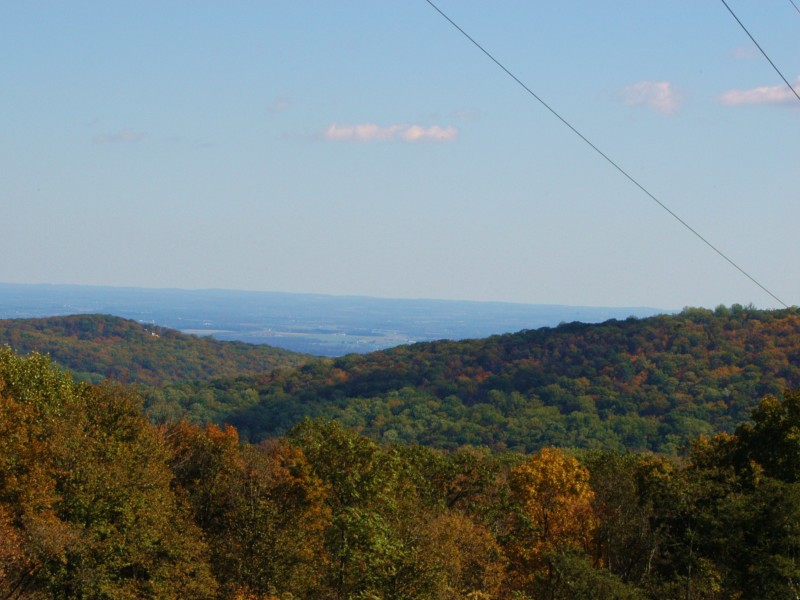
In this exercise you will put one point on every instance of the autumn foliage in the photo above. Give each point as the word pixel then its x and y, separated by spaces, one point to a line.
pixel 97 502
pixel 644 385
pixel 554 514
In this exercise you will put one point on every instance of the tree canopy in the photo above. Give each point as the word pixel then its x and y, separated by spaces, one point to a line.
pixel 646 385
pixel 98 502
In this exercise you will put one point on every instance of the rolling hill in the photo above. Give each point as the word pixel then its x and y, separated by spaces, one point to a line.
pixel 648 384
pixel 640 384
pixel 98 346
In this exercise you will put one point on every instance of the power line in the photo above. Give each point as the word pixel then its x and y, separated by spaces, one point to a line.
pixel 795 6
pixel 777 70
pixel 604 155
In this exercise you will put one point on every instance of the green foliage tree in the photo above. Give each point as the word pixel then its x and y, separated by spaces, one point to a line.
pixel 749 513
pixel 575 577
pixel 626 488
pixel 363 499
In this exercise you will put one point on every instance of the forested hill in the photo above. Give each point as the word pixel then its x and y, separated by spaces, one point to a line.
pixel 642 384
pixel 649 384
pixel 97 346
pixel 96 502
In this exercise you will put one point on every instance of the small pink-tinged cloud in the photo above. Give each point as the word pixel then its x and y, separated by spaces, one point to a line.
pixel 765 94
pixel 660 96
pixel 370 132
pixel 124 136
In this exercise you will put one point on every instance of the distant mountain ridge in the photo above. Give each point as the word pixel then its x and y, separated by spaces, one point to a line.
pixel 310 323
pixel 97 346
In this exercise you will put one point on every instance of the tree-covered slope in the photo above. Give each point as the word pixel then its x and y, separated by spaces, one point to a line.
pixel 98 502
pixel 97 346
pixel 649 384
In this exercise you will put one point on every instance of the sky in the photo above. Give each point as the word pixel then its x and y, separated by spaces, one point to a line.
pixel 366 147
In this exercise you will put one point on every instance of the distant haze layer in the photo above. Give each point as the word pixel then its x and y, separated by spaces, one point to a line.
pixel 311 323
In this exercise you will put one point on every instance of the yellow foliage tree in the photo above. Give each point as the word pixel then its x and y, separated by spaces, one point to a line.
pixel 553 501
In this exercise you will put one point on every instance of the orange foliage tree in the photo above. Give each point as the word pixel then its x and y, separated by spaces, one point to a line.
pixel 86 507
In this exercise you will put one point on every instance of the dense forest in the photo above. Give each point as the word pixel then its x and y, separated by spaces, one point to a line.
pixel 96 501
pixel 95 347
pixel 649 384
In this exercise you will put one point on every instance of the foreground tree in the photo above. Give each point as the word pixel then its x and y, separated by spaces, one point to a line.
pixel 365 504
pixel 749 517
pixel 86 507
pixel 261 508
pixel 554 513
pixel 393 532
pixel 627 488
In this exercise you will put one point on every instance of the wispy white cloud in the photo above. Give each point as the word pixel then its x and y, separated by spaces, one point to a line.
pixel 661 96
pixel 765 94
pixel 124 136
pixel 370 132
pixel 746 52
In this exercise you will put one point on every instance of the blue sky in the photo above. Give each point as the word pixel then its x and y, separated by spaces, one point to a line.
pixel 367 148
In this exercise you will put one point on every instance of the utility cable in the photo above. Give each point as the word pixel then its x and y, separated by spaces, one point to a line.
pixel 795 6
pixel 605 156
pixel 777 70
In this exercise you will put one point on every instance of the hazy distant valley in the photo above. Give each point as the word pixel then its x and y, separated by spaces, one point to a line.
pixel 309 323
